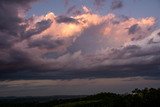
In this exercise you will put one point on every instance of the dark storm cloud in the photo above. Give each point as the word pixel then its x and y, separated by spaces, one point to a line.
pixel 149 71
pixel 77 61
pixel 133 29
pixel 10 28
pixel 14 61
pixel 46 43
pixel 116 4
pixel 129 61
pixel 65 19
pixel 9 14
pixel 12 31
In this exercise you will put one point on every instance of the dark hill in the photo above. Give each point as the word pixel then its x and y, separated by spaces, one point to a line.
pixel 138 98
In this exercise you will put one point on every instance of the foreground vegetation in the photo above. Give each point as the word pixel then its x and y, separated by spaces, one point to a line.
pixel 138 98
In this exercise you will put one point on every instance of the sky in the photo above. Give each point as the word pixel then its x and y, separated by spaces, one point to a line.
pixel 78 47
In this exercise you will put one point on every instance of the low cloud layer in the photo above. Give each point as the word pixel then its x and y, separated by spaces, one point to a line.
pixel 73 87
pixel 86 45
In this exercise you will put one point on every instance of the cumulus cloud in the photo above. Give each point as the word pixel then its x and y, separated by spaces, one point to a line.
pixel 14 29
pixel 38 28
pixel 10 19
pixel 80 46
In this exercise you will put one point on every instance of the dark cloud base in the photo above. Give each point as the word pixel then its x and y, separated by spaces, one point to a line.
pixel 147 71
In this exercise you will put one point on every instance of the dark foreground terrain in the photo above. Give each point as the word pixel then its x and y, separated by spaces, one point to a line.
pixel 138 98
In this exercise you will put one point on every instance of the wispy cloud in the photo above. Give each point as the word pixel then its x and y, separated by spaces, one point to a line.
pixel 99 3
pixel 116 4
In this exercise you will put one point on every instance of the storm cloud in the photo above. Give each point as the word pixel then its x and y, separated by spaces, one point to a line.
pixel 46 43
pixel 86 45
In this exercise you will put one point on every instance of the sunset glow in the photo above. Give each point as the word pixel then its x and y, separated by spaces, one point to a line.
pixel 83 45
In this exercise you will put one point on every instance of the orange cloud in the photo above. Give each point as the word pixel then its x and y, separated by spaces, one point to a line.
pixel 117 34
pixel 85 9
pixel 65 30
pixel 60 30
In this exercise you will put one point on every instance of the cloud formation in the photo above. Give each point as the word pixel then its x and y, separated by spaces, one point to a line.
pixel 86 45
